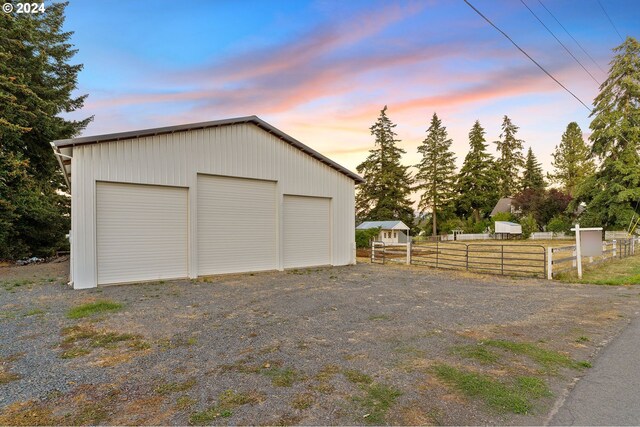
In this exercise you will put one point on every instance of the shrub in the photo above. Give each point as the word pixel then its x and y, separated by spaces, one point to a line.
pixel 364 237
pixel 559 224
pixel 529 225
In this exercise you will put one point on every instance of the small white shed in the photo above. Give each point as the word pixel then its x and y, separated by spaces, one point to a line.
pixel 224 196
pixel 390 231
pixel 506 229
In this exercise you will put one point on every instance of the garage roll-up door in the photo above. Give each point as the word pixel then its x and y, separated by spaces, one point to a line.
pixel 236 225
pixel 307 231
pixel 141 231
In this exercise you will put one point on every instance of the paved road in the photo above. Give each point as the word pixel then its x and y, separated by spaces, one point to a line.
pixel 610 393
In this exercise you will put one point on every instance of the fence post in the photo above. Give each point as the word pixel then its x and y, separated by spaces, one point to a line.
pixel 550 263
pixel 408 252
pixel 578 252
pixel 502 260
pixel 373 251
pixel 614 248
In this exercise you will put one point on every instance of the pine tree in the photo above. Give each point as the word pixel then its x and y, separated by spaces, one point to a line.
pixel 510 160
pixel 476 187
pixel 612 194
pixel 532 177
pixel 572 161
pixel 436 171
pixel 36 83
pixel 385 193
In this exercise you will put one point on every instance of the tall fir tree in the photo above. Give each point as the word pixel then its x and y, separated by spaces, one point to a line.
pixel 476 191
pixel 532 177
pixel 612 194
pixel 436 172
pixel 36 85
pixel 510 160
pixel 572 160
pixel 385 194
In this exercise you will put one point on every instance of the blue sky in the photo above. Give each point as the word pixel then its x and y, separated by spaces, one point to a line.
pixel 322 70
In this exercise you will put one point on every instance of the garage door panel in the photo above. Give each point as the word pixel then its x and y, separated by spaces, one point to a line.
pixel 142 232
pixel 307 231
pixel 237 223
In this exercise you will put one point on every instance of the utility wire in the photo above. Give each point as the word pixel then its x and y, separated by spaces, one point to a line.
pixel 558 40
pixel 609 18
pixel 573 38
pixel 527 55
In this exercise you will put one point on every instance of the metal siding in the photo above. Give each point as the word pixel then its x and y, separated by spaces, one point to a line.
pixel 212 151
pixel 141 232
pixel 236 225
pixel 307 231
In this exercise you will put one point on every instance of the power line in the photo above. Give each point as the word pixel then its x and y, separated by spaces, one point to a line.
pixel 558 40
pixel 609 18
pixel 573 38
pixel 527 55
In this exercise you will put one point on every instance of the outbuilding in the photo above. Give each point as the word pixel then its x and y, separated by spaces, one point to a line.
pixel 391 232
pixel 225 196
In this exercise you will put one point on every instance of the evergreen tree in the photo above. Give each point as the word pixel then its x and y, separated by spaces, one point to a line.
pixel 532 177
pixel 510 160
pixel 436 171
pixel 612 194
pixel 476 187
pixel 36 83
pixel 385 193
pixel 572 161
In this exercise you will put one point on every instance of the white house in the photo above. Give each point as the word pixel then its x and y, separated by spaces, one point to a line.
pixel 390 231
pixel 224 196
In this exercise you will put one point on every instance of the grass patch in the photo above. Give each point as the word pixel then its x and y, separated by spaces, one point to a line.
pixel 532 386
pixel 7 377
pixel 302 401
pixel 34 312
pixel 227 401
pixel 282 377
pixel 478 352
pixel 484 387
pixel 379 398
pixel 79 339
pixel 10 285
pixel 168 388
pixel 582 338
pixel 584 364
pixel 613 273
pixel 86 310
pixel 74 352
pixel 549 359
pixel 184 402
pixel 357 377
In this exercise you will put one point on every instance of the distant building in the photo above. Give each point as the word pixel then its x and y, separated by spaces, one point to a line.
pixel 390 231
pixel 505 204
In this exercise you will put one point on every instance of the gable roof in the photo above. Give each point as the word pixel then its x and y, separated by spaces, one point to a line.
pixel 385 225
pixel 61 144
pixel 503 205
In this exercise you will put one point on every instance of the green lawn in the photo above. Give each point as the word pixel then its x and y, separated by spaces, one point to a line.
pixel 619 272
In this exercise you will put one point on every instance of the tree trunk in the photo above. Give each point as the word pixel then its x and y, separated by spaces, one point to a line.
pixel 433 215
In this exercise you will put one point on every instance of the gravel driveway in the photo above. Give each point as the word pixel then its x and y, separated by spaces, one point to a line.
pixel 344 345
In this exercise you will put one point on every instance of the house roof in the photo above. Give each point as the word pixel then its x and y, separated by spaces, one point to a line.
pixel 385 225
pixel 503 205
pixel 63 147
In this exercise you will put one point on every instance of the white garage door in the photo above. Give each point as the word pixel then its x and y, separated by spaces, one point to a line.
pixel 141 232
pixel 236 225
pixel 307 231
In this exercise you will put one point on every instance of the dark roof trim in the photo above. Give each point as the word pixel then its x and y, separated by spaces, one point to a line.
pixel 203 125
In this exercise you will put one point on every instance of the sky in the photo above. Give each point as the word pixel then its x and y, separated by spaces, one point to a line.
pixel 322 70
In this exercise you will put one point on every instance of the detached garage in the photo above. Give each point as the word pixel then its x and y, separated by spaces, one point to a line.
pixel 208 198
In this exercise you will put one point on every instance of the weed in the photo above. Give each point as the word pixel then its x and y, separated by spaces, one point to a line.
pixel 7 377
pixel 380 317
pixel 548 358
pixel 327 372
pixel 184 402
pixel 584 364
pixel 74 352
pixel 533 386
pixel 34 312
pixel 90 414
pixel 378 400
pixel 110 339
pixel 92 308
pixel 168 388
pixel 302 401
pixel 282 377
pixel 478 352
pixel 139 345
pixel 492 392
pixel 582 338
pixel 226 402
pixel 357 377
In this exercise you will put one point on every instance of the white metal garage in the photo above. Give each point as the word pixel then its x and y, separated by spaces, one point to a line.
pixel 141 232
pixel 206 198
pixel 237 225
pixel 307 231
